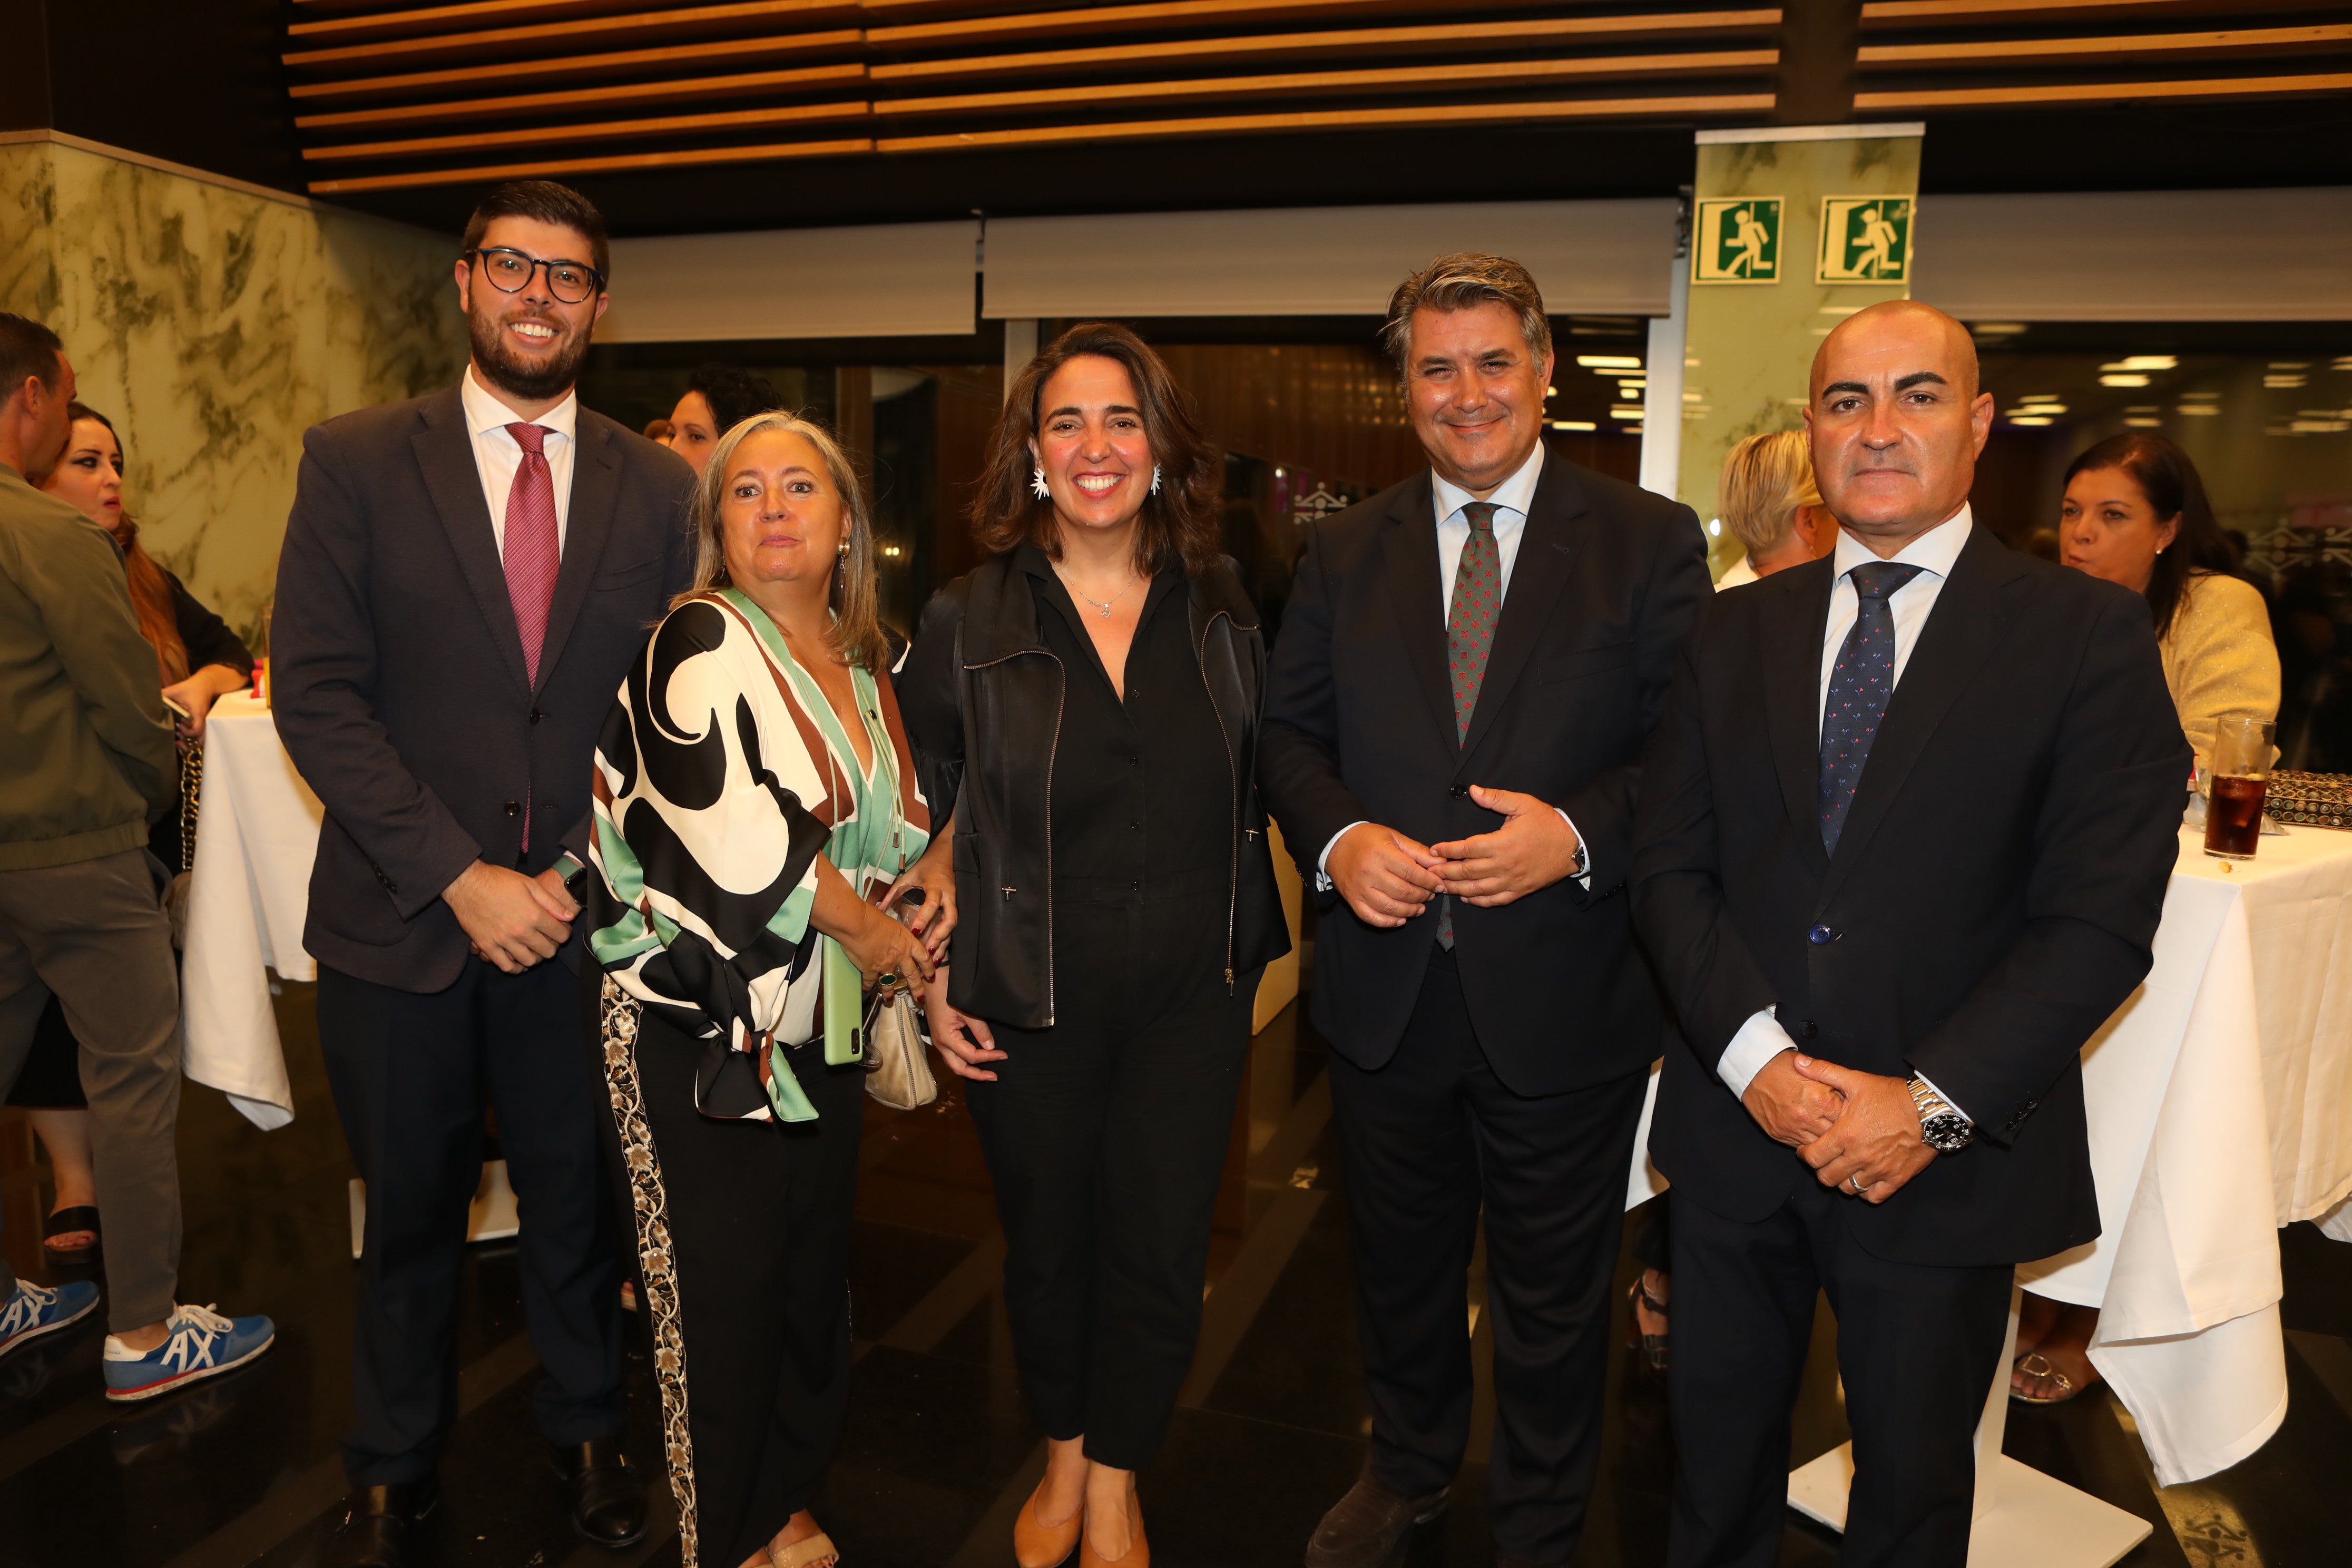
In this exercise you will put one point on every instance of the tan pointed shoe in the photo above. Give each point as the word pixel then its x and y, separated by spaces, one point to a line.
pixel 1138 1550
pixel 1036 1545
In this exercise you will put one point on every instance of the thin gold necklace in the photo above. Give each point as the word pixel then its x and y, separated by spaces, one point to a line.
pixel 1102 606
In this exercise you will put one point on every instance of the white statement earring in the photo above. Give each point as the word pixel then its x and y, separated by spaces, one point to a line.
pixel 1037 486
pixel 1155 479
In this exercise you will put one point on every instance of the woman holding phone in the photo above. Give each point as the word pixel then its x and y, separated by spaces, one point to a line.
pixel 1089 697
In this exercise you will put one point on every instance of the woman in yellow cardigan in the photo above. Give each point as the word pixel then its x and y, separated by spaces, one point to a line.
pixel 2135 514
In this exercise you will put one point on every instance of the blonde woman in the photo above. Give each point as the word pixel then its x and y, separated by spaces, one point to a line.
pixel 756 811
pixel 1768 499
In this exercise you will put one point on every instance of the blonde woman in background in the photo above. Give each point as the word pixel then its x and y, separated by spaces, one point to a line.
pixel 1768 499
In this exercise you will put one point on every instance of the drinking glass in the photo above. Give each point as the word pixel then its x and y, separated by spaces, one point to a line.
pixel 2242 774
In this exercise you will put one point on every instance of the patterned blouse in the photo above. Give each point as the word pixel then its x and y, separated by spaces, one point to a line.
pixel 722 772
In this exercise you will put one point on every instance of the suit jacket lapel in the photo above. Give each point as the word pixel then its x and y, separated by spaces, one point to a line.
pixel 1409 554
pixel 1540 574
pixel 596 495
pixel 445 451
pixel 1789 627
pixel 1968 621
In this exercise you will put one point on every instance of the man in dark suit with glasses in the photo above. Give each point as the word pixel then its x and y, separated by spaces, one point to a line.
pixel 466 578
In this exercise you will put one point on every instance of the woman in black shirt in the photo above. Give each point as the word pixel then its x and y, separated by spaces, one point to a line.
pixel 1087 703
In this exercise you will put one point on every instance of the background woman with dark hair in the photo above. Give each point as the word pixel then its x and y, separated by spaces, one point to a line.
pixel 1087 704
pixel 197 658
pixel 717 398
pixel 2135 514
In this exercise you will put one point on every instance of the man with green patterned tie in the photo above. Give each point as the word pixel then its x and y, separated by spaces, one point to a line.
pixel 1469 665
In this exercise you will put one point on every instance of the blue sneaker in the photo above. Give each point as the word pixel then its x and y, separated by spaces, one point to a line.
pixel 34 1310
pixel 198 1343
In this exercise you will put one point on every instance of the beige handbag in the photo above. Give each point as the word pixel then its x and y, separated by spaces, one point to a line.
pixel 898 1063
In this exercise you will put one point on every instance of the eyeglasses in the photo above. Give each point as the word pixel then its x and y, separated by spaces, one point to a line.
pixel 510 272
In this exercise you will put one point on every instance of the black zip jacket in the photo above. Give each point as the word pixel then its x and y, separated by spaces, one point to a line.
pixel 981 696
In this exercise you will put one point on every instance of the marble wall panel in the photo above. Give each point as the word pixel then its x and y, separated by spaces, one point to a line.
pixel 214 326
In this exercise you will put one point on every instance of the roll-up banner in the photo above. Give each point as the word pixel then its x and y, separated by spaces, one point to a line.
pixel 1793 228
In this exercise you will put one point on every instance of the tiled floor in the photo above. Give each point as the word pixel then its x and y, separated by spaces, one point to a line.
pixel 940 1450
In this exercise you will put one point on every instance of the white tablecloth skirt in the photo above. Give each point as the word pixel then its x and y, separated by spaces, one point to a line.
pixel 257 832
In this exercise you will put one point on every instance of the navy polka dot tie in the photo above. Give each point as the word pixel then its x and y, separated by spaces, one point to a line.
pixel 1860 684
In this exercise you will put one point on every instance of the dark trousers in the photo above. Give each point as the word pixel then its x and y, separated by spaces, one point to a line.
pixel 757 1218
pixel 1430 1138
pixel 1105 1138
pixel 1917 1346
pixel 411 1075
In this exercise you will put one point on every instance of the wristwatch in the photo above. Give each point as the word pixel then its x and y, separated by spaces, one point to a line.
pixel 1583 863
pixel 1945 1130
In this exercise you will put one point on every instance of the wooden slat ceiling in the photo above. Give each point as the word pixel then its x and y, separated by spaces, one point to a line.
pixel 390 95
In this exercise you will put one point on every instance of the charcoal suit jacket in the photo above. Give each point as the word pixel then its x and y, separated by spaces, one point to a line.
pixel 1992 899
pixel 1359 726
pixel 397 673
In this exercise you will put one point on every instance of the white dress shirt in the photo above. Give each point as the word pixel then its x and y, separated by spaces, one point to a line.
pixel 1935 552
pixel 1511 499
pixel 497 454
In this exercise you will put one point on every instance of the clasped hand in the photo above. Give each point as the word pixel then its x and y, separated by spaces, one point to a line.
pixel 511 919
pixel 1858 1131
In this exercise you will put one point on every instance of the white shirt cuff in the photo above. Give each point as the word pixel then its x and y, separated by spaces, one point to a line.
pixel 1948 1100
pixel 1758 1041
pixel 1585 879
pixel 1323 862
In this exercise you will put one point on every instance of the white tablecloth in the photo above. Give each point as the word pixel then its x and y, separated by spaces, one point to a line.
pixel 256 834
pixel 2219 1111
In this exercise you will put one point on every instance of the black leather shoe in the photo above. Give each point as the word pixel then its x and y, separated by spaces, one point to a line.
pixel 1362 1530
pixel 378 1525
pixel 608 1496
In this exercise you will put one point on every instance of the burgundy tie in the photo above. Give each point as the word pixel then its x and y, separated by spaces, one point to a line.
pixel 532 556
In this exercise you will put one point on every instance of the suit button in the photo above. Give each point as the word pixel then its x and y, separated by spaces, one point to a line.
pixel 514 808
pixel 536 715
pixel 1821 935
pixel 1460 792
pixel 1806 1029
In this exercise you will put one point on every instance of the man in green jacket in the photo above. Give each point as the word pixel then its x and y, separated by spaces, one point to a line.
pixel 85 760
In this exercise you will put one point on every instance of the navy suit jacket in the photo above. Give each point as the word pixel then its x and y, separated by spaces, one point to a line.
pixel 1360 727
pixel 398 678
pixel 1994 895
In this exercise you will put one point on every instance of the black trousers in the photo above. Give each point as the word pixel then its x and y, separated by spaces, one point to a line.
pixel 1105 1138
pixel 1431 1137
pixel 411 1075
pixel 751 1219
pixel 1918 1347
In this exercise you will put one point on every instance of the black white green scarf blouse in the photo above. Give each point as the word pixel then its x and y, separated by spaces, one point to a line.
pixel 721 773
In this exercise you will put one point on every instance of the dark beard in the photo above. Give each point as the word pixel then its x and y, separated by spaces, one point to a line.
pixel 530 383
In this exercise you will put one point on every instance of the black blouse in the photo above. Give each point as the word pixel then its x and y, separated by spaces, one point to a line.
pixel 1142 793
pixel 207 637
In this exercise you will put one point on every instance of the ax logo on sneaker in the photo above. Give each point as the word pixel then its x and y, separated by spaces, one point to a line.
pixel 198 1343
pixel 33 1311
